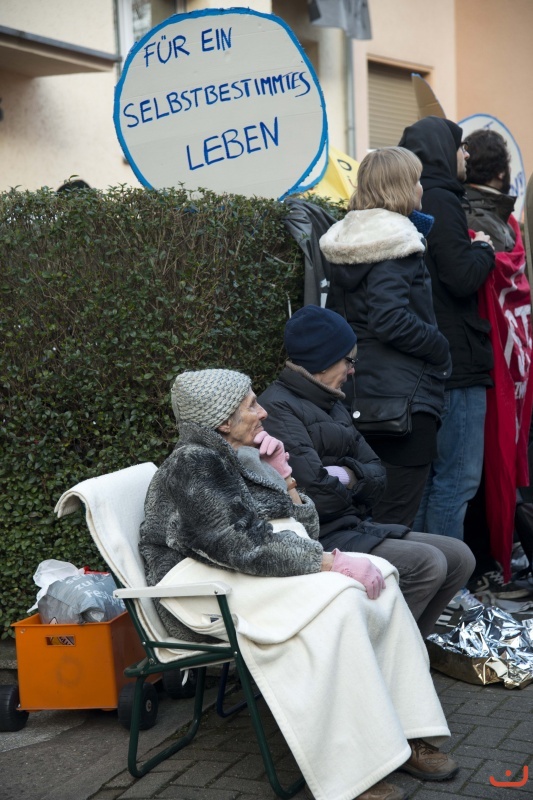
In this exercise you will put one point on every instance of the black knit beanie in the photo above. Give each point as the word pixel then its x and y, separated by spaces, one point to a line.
pixel 316 338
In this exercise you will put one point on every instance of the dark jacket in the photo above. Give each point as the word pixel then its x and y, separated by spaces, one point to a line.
pixel 317 431
pixel 458 267
pixel 206 503
pixel 380 284
pixel 488 210
pixel 307 222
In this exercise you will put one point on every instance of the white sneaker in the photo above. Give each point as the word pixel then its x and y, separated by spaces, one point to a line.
pixel 519 560
pixel 463 600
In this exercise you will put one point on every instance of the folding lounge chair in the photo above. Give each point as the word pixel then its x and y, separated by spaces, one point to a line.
pixel 114 505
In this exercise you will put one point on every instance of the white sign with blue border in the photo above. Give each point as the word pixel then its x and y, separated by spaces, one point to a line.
pixel 224 100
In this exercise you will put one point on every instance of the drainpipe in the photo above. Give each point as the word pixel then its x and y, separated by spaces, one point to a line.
pixel 350 108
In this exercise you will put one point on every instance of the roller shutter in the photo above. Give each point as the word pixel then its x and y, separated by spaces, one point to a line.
pixel 392 104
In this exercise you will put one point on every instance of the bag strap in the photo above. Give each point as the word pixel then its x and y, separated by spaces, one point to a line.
pixel 417 383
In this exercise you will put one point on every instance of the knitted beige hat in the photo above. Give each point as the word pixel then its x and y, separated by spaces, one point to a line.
pixel 209 396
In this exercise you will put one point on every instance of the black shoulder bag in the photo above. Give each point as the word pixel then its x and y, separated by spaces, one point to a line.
pixel 383 416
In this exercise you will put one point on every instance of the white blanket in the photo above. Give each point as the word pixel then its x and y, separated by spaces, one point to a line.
pixel 114 510
pixel 345 677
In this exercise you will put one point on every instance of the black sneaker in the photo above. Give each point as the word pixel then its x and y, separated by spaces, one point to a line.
pixel 491 585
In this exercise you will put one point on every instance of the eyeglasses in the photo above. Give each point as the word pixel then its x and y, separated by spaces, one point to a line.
pixel 351 361
pixel 464 147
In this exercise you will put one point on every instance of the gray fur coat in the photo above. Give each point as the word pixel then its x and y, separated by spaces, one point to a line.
pixel 206 503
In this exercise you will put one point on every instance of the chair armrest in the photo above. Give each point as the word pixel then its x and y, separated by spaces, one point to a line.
pixel 181 590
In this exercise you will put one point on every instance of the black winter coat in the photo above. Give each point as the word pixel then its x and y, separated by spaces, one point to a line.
pixel 458 267
pixel 317 432
pixel 380 284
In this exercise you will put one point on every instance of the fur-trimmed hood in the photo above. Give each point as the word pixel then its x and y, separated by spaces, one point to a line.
pixel 369 236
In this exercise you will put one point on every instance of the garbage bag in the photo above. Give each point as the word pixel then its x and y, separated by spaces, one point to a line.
pixel 79 599
pixel 49 571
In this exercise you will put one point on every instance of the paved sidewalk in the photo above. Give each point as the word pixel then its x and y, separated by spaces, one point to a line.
pixel 84 756
pixel 492 731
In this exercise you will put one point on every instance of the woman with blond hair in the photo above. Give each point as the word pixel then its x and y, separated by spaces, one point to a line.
pixel 380 284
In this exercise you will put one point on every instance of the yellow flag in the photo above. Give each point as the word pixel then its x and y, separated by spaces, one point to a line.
pixel 339 180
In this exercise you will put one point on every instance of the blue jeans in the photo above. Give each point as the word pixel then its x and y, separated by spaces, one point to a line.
pixel 456 472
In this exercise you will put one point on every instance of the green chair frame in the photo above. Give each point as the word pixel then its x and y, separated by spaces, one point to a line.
pixel 202 656
pixel 114 526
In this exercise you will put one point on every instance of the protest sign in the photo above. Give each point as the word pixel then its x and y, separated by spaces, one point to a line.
pixel 340 178
pixel 222 99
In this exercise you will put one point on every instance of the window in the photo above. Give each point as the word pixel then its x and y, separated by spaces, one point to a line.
pixel 142 18
pixel 134 18
pixel 391 103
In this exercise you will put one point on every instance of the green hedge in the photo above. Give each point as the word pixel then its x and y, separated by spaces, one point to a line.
pixel 105 298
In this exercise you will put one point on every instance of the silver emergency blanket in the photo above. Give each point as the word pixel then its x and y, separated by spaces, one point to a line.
pixel 488 645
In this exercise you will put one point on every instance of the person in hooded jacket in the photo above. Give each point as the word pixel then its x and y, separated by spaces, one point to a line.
pixel 458 266
pixel 380 283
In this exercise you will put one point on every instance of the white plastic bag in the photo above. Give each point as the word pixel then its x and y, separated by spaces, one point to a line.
pixel 50 571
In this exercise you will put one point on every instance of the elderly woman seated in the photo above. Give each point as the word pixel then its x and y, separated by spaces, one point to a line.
pixel 327 635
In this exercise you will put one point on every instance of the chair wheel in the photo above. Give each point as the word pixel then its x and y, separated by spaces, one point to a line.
pixel 11 718
pixel 174 686
pixel 150 704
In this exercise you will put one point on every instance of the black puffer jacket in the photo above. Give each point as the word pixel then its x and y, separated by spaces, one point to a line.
pixel 317 431
pixel 380 284
pixel 458 267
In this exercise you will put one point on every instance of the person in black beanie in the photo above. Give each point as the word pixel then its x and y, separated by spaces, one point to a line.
pixel 335 466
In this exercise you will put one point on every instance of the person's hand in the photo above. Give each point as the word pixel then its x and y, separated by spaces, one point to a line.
pixel 272 451
pixel 361 569
pixel 344 474
pixel 483 237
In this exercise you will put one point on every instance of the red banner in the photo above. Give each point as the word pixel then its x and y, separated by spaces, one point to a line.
pixel 505 300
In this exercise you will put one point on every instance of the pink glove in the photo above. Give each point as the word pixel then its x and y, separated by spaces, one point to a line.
pixel 360 568
pixel 272 451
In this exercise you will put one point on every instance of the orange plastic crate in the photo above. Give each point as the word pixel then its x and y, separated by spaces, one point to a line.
pixel 74 666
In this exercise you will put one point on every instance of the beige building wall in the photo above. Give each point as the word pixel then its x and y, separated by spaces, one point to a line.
pixel 60 125
pixel 416 34
pixel 475 54
pixel 264 6
pixel 495 68
pixel 326 49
